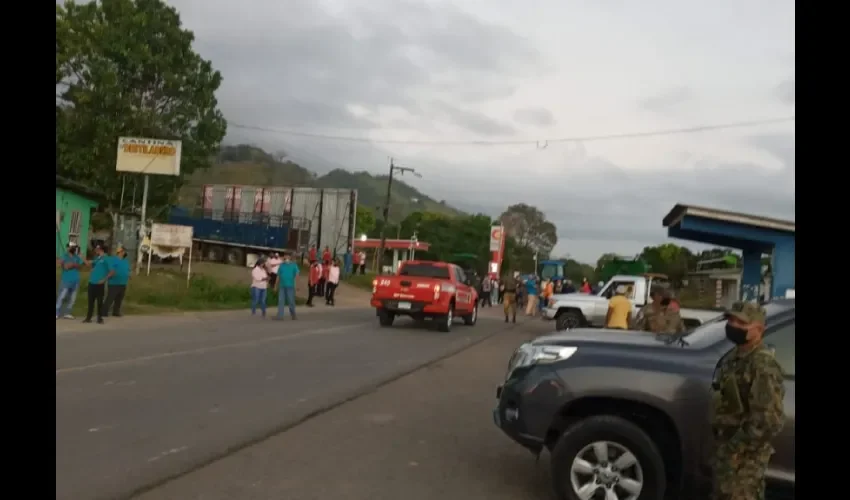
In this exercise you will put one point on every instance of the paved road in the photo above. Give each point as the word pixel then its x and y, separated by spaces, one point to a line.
pixel 138 404
pixel 426 436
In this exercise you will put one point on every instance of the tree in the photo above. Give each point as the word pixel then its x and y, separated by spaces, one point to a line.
pixel 365 221
pixel 127 68
pixel 529 227
pixel 669 259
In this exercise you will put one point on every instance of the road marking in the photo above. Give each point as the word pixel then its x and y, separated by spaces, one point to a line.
pixel 165 453
pixel 203 350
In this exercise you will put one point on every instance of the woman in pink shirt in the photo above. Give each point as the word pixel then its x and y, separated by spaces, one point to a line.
pixel 259 287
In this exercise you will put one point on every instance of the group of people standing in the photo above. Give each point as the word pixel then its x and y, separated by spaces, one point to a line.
pixel 279 273
pixel 531 293
pixel 107 284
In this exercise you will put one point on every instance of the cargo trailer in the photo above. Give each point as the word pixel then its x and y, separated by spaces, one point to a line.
pixel 234 224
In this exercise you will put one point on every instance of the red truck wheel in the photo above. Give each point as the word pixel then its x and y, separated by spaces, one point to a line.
pixel 385 318
pixel 444 323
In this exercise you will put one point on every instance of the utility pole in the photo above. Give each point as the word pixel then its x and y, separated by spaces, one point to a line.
pixel 401 170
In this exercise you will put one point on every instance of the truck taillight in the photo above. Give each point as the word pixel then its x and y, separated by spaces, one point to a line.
pixel 374 286
pixel 436 292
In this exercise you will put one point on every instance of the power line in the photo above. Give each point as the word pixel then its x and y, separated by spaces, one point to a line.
pixel 536 143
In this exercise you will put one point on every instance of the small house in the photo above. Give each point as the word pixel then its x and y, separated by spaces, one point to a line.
pixel 74 205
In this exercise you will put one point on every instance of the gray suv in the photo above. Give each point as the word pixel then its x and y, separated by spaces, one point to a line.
pixel 625 415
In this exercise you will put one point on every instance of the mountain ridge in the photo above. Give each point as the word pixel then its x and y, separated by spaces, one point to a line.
pixel 244 164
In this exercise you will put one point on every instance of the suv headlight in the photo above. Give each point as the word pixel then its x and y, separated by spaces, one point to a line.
pixel 530 354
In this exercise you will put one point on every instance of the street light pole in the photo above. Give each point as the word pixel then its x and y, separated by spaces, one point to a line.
pixel 401 170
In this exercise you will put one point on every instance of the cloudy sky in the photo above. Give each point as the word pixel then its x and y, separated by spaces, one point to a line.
pixel 437 71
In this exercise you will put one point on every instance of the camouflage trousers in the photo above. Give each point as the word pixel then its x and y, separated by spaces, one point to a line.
pixel 739 476
pixel 510 304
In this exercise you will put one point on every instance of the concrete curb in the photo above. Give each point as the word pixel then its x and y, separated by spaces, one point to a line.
pixel 325 408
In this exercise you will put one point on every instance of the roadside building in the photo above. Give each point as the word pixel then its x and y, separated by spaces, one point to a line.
pixel 74 205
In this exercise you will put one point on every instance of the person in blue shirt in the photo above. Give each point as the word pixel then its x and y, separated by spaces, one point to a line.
pixel 119 275
pixel 97 283
pixel 286 274
pixel 347 262
pixel 69 283
pixel 531 291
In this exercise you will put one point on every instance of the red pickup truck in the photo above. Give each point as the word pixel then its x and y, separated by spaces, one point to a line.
pixel 423 290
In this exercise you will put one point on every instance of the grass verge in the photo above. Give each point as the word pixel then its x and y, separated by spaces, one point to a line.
pixel 164 291
pixel 361 281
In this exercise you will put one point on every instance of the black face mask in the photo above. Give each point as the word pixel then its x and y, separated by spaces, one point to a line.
pixel 665 302
pixel 737 336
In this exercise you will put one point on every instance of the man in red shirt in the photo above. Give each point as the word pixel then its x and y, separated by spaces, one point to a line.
pixel 326 257
pixel 312 255
pixel 313 280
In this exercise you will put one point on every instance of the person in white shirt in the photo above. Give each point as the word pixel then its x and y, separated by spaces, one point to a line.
pixel 259 287
pixel 333 282
pixel 362 261
pixel 272 265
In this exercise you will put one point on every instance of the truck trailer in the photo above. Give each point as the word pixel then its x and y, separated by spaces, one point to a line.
pixel 232 223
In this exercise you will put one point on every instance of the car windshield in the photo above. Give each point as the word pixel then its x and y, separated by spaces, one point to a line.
pixel 425 271
pixel 714 330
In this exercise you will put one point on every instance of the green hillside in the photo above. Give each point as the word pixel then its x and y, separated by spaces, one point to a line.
pixel 249 165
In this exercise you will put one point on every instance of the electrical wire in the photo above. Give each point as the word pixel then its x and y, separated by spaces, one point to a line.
pixel 537 143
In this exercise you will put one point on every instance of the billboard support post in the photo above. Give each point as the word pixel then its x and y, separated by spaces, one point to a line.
pixel 147 156
pixel 142 231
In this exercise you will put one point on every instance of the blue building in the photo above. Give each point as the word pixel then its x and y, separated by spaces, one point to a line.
pixel 753 235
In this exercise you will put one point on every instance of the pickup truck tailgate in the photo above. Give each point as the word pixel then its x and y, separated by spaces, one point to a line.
pixel 409 288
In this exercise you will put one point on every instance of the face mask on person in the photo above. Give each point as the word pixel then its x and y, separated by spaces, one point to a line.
pixel 736 335
pixel 665 302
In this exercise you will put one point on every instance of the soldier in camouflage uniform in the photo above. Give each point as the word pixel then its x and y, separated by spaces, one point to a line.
pixel 658 317
pixel 509 287
pixel 747 401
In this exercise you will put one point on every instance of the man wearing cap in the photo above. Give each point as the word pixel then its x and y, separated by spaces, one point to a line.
pixel 619 310
pixel 69 283
pixel 509 288
pixel 747 401
pixel 658 316
pixel 118 277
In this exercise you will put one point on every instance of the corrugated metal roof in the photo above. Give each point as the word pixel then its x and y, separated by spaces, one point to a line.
pixel 680 211
pixel 81 189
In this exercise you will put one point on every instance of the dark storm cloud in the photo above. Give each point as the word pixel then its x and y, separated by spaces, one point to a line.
pixel 470 120
pixel 539 117
pixel 306 65
pixel 670 98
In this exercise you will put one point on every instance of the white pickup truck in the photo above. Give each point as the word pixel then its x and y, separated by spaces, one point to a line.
pixel 574 310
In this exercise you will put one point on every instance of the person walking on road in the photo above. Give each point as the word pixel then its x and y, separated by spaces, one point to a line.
pixel 286 275
pixel 119 276
pixel 619 310
pixel 272 266
pixel 494 291
pixel 260 279
pixel 531 292
pixel 486 287
pixel 333 283
pixel 313 280
pixel 748 395
pixel 69 282
pixel 97 283
pixel 509 288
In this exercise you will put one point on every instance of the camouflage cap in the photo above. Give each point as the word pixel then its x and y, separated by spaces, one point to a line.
pixel 749 312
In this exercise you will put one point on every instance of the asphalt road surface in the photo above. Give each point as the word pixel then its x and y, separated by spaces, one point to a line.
pixel 139 404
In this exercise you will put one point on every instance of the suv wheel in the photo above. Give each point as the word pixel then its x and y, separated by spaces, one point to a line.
pixel 472 317
pixel 607 457
pixel 444 323
pixel 568 320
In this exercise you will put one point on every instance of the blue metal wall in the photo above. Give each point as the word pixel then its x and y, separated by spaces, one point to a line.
pixel 252 235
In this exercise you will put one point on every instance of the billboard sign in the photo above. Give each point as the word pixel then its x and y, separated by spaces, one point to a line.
pixel 496 238
pixel 140 155
pixel 171 235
